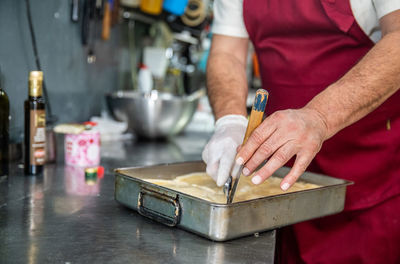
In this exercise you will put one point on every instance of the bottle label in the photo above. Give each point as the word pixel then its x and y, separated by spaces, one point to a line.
pixel 37 137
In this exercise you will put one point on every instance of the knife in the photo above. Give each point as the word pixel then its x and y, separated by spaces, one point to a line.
pixel 255 119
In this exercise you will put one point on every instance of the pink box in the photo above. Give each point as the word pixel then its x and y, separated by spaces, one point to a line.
pixel 82 149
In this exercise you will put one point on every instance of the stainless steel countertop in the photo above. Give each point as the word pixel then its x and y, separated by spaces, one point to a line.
pixel 58 218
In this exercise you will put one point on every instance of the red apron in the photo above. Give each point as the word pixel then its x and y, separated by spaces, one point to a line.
pixel 303 47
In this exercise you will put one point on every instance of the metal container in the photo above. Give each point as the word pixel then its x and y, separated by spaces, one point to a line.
pixel 153 115
pixel 221 222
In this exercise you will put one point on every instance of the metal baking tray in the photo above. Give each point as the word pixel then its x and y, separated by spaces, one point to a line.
pixel 221 222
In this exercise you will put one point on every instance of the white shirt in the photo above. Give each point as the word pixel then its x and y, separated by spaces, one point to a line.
pixel 228 16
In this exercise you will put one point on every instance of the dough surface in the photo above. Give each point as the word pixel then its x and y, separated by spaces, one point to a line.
pixel 200 185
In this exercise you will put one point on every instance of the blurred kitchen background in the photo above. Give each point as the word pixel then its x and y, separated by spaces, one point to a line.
pixel 83 62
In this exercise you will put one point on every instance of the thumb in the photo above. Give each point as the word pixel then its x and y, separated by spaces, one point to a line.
pixel 212 156
pixel 204 154
pixel 212 170
pixel 225 166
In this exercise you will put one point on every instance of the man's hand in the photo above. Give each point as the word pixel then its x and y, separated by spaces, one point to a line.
pixel 220 151
pixel 281 136
pixel 301 132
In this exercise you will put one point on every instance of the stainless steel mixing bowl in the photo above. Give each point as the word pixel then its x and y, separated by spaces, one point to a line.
pixel 154 115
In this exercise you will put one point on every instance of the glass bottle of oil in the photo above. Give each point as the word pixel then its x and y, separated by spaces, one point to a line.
pixel 35 126
pixel 4 125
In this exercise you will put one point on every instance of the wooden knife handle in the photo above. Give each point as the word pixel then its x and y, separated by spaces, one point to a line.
pixel 257 112
pixel 105 33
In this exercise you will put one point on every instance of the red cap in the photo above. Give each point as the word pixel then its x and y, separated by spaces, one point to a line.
pixel 90 123
pixel 100 172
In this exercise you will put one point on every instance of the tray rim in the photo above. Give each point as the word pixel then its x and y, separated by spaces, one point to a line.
pixel 234 204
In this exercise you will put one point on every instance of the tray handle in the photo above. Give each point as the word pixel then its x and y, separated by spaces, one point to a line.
pixel 158 200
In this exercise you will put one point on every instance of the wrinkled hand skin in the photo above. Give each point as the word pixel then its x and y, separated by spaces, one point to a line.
pixel 281 136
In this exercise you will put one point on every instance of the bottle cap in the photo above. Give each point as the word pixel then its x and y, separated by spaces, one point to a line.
pixel 35 83
pixel 36 75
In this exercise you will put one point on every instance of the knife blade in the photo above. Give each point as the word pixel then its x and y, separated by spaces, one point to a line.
pixel 255 119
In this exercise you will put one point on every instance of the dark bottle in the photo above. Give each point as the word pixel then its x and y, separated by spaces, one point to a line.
pixel 4 125
pixel 35 126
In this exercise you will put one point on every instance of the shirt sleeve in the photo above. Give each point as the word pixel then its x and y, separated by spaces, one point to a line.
pixel 384 7
pixel 228 18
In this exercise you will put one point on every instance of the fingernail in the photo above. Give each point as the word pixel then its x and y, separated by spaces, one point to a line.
pixel 285 186
pixel 256 179
pixel 246 171
pixel 240 161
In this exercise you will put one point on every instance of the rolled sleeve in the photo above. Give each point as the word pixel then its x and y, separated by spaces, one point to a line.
pixel 384 7
pixel 228 18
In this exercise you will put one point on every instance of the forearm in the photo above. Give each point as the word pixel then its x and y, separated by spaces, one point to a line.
pixel 366 86
pixel 226 84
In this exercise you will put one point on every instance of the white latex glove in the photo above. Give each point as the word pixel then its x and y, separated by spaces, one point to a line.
pixel 220 152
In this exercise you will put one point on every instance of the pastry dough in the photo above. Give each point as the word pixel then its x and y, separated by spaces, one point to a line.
pixel 200 185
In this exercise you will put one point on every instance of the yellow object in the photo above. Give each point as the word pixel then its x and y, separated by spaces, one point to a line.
pixel 388 126
pixel 105 31
pixel 153 7
pixel 35 83
pixel 69 128
pixel 257 113
pixel 200 185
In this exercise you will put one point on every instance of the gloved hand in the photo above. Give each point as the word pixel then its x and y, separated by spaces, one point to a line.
pixel 220 152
